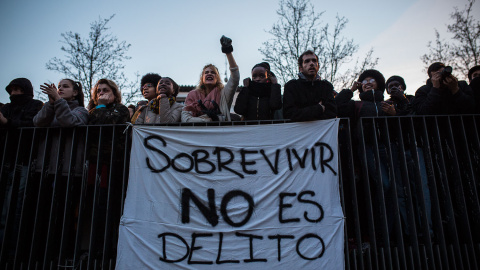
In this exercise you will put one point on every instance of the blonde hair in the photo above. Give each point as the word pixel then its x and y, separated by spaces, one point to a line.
pixel 201 83
pixel 112 85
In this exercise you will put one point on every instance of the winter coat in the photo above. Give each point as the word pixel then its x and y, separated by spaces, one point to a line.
pixel 62 113
pixel 475 85
pixel 370 105
pixel 114 113
pixel 301 100
pixel 258 101
pixel 21 110
pixel 223 98
pixel 166 113
pixel 434 101
pixel 402 107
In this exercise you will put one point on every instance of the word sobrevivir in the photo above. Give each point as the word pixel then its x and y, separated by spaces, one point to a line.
pixel 318 156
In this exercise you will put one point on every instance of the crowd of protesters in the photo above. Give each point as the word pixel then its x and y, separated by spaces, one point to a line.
pixel 307 98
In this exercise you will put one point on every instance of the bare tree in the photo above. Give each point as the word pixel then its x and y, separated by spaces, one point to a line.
pixel 462 52
pixel 298 29
pixel 100 55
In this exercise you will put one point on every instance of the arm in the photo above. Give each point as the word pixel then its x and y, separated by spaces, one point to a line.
pixel 427 101
pixel 229 91
pixel 26 120
pixel 45 116
pixel 139 116
pixel 463 101
pixel 275 97
pixel 188 117
pixel 241 104
pixel 170 114
pixel 293 112
pixel 67 117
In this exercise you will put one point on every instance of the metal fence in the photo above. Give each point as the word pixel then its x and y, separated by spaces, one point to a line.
pixel 408 187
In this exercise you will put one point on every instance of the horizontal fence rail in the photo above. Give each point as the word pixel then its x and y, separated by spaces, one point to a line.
pixel 409 190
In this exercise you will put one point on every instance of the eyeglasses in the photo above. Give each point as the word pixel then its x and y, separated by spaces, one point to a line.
pixel 147 85
pixel 368 81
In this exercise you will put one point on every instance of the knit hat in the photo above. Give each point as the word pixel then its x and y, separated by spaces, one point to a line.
pixel 398 79
pixel 262 64
pixel 152 78
pixel 376 75
pixel 23 83
pixel 471 71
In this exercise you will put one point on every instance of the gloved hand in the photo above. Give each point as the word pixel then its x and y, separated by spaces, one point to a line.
pixel 226 44
pixel 213 113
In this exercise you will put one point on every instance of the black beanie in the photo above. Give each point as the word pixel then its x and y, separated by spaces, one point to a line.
pixel 152 78
pixel 23 83
pixel 263 64
pixel 376 75
pixel 471 71
pixel 398 79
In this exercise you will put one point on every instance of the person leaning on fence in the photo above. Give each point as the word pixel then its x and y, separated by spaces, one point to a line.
pixel 106 161
pixel 402 104
pixel 162 106
pixel 211 101
pixel 22 108
pixel 261 96
pixel 474 79
pixel 65 108
pixel 443 93
pixel 308 97
pixel 148 87
pixel 16 114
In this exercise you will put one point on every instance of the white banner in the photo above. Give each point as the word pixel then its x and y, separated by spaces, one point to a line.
pixel 236 197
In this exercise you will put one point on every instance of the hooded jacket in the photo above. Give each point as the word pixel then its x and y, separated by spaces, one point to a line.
pixel 258 101
pixel 21 110
pixel 434 101
pixel 301 100
pixel 61 113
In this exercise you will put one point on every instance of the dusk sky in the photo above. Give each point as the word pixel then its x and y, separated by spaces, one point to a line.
pixel 177 38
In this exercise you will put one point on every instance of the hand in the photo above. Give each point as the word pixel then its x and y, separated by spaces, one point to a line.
pixel 162 95
pixel 452 84
pixel 104 99
pixel 397 94
pixel 389 109
pixel 273 79
pixel 226 44
pixel 246 82
pixel 356 86
pixel 51 91
pixel 321 104
pixel 3 120
pixel 436 79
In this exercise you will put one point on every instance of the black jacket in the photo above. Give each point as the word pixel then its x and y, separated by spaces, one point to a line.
pixel 301 100
pixel 21 110
pixel 111 114
pixel 368 106
pixel 433 101
pixel 475 85
pixel 258 101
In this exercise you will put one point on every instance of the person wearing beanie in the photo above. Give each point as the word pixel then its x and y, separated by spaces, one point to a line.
pixel 443 94
pixel 161 108
pixel 474 79
pixel 401 103
pixel 371 85
pixel 22 108
pixel 309 97
pixel 261 95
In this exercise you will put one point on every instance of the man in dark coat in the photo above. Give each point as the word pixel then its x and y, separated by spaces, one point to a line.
pixel 402 104
pixel 474 79
pixel 308 98
pixel 443 94
pixel 22 108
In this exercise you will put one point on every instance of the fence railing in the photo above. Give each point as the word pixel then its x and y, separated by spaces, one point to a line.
pixel 409 187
